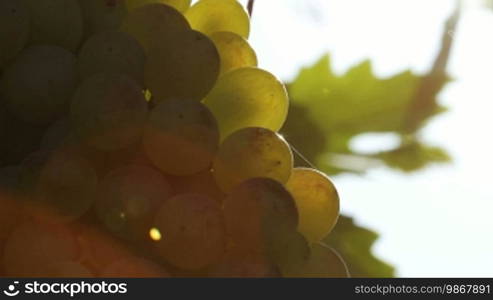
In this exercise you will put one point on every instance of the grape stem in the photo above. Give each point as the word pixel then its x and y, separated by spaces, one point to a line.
pixel 250 7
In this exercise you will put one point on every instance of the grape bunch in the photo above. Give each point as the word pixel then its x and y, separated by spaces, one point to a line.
pixel 140 140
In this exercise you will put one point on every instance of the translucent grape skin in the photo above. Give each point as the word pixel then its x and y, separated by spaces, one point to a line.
pixel 34 246
pixel 317 201
pixel 209 16
pixel 256 211
pixel 324 262
pixel 234 50
pixel 180 5
pixel 38 85
pixel 128 199
pixel 56 22
pixel 109 111
pixel 252 152
pixel 14 29
pixel 112 52
pixel 102 15
pixel 155 23
pixel 248 97
pixel 192 230
pixel 181 137
pixel 186 68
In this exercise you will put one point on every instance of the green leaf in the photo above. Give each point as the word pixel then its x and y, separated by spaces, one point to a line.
pixel 354 243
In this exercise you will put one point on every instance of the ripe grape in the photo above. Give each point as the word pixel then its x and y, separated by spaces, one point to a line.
pixel 33 247
pixel 109 111
pixel 128 199
pixel 287 248
pixel 234 50
pixel 209 16
pixel 248 97
pixel 39 83
pixel 180 5
pixel 56 22
pixel 317 201
pixel 240 265
pixel 192 231
pixel 155 23
pixel 134 267
pixel 186 68
pixel 181 137
pixel 14 29
pixel 112 52
pixel 255 209
pixel 324 262
pixel 65 188
pixel 102 15
pixel 252 152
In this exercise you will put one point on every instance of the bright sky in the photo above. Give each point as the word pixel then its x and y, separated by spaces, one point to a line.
pixel 438 222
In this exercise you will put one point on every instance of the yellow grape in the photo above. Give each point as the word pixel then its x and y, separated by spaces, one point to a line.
pixel 235 51
pixel 186 68
pixel 128 199
pixel 180 5
pixel 248 97
pixel 317 201
pixel 252 152
pixel 38 85
pixel 33 247
pixel 209 16
pixel 14 29
pixel 112 51
pixel 324 262
pixel 257 208
pixel 181 137
pixel 102 15
pixel 56 22
pixel 109 111
pixel 155 23
pixel 192 231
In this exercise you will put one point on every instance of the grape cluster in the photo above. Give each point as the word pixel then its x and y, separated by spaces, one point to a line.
pixel 140 140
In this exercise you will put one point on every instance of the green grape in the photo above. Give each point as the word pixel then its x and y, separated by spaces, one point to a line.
pixel 234 50
pixel 14 29
pixel 154 23
pixel 134 267
pixel 256 208
pixel 112 52
pixel 181 137
pixel 56 22
pixel 38 85
pixel 180 5
pixel 317 201
pixel 287 248
pixel 248 97
pixel 109 111
pixel 324 262
pixel 187 68
pixel 192 231
pixel 209 16
pixel 128 198
pixel 102 15
pixel 252 152
pixel 63 186
pixel 33 247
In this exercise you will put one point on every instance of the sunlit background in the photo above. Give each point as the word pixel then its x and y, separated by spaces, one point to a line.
pixel 436 222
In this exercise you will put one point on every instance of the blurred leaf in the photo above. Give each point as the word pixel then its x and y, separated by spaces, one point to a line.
pixel 354 243
pixel 413 156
